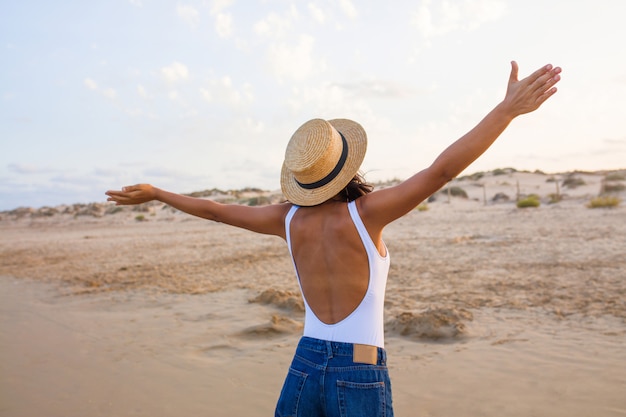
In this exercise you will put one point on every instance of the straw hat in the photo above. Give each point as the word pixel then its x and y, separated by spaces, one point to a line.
pixel 321 158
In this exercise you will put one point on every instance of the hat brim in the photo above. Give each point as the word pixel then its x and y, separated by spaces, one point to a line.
pixel 356 139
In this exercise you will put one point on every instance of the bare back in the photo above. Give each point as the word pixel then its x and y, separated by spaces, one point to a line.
pixel 330 259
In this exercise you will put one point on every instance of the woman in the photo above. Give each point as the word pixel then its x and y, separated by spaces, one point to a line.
pixel 333 227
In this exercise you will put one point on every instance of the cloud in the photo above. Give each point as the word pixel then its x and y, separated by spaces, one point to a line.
pixel 142 92
pixel 295 62
pixel 137 3
pixel 348 8
pixel 90 84
pixel 328 99
pixel 223 21
pixel 55 175
pixel 222 90
pixel 27 169
pixel 106 172
pixel 73 180
pixel 273 26
pixel 158 172
pixel 175 72
pixel 173 178
pixel 173 95
pixel 615 142
pixel 317 13
pixel 377 89
pixel 217 6
pixel 188 13
pixel 434 19
pixel 109 92
pixel 224 25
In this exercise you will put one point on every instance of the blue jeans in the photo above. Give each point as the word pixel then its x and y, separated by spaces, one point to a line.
pixel 324 381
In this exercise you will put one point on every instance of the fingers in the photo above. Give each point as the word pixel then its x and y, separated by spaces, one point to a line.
pixel 119 197
pixel 529 93
pixel 130 188
pixel 540 81
pixel 545 85
pixel 544 75
pixel 115 193
pixel 539 73
pixel 514 72
pixel 539 85
pixel 545 82
pixel 132 194
pixel 546 95
pixel 115 196
pixel 123 191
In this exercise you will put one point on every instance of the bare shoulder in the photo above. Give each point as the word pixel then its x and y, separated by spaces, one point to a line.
pixel 381 207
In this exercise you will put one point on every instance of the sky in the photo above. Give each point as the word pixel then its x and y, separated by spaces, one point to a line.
pixel 195 94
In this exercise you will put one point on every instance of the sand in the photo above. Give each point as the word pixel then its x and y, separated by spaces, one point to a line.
pixel 491 310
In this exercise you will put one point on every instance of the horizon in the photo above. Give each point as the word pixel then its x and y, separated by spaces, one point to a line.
pixel 198 95
pixel 252 188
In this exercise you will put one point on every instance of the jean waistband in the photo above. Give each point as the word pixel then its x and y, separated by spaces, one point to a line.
pixel 334 348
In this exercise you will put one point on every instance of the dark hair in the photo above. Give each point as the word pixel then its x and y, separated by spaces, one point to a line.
pixel 355 189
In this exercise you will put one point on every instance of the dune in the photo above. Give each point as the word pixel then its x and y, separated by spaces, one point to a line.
pixel 491 309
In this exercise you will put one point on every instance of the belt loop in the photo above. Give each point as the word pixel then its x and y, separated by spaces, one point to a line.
pixel 329 348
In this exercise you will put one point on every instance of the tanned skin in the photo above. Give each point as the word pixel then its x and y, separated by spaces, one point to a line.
pixel 328 252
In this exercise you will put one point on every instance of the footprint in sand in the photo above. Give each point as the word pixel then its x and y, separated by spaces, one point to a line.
pixel 220 351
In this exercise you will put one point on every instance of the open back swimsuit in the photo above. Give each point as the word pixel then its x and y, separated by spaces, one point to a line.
pixel 365 324
pixel 325 377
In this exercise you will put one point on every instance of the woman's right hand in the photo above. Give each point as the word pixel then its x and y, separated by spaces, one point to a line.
pixel 132 194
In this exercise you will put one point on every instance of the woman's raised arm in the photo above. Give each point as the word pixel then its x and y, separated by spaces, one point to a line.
pixel 523 96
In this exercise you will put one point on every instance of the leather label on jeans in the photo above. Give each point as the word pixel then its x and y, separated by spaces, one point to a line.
pixel 365 354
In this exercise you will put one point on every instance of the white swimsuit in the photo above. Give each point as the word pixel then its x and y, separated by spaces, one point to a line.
pixel 365 324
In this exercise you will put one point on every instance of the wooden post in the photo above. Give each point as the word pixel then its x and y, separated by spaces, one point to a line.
pixel 484 195
pixel 558 190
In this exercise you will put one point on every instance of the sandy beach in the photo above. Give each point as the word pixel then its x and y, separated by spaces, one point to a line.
pixel 492 310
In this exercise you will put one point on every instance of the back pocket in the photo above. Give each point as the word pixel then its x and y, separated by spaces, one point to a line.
pixel 361 399
pixel 290 394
